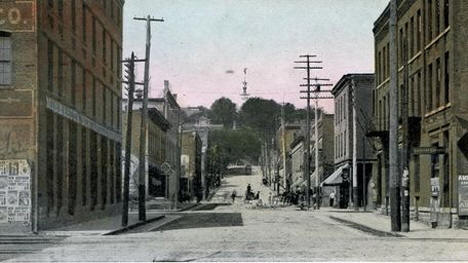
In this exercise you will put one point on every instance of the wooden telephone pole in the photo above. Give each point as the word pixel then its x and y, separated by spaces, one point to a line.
pixel 316 92
pixel 143 126
pixel 394 167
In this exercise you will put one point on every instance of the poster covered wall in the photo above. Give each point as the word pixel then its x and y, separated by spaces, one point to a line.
pixel 463 195
pixel 15 192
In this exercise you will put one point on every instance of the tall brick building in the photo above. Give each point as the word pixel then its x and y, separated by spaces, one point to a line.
pixel 61 94
pixel 434 36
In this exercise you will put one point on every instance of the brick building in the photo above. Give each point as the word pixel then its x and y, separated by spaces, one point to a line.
pixel 60 110
pixel 432 41
pixel 343 92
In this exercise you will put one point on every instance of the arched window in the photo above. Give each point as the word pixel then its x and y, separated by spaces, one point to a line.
pixel 5 58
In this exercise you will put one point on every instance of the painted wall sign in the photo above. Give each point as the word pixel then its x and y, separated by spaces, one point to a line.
pixel 463 194
pixel 15 103
pixel 18 15
pixel 72 114
pixel 15 192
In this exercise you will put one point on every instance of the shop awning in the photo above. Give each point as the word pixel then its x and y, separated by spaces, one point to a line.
pixel 335 178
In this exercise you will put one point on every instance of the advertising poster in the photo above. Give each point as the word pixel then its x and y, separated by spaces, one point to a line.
pixel 15 191
pixel 463 195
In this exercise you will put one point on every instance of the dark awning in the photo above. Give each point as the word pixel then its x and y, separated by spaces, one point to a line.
pixel 335 178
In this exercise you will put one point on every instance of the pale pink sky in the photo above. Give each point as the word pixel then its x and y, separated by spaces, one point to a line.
pixel 201 39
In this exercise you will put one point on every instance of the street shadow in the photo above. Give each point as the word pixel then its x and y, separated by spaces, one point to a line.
pixel 204 220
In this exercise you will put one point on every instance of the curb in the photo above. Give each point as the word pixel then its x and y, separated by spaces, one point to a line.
pixel 130 227
pixel 365 228
pixel 189 207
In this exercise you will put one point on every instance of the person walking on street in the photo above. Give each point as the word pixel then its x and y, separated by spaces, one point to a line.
pixel 332 198
pixel 233 196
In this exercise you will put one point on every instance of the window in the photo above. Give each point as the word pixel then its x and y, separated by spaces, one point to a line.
pixel 418 93
pixel 401 40
pixel 380 115
pixel 83 88
pixel 411 38
pixel 94 96
pixel 84 173
pixel 429 20
pixel 60 73
pixel 83 23
pixel 429 88
pixel 73 83
pixel 419 30
pixel 412 98
pixel 379 68
pixel 73 15
pixel 438 82
pixel 446 78
pixel 446 13
pixel 384 64
pixel 50 153
pixel 72 171
pixel 437 17
pixel 50 66
pixel 104 44
pixel 104 171
pixel 94 36
pixel 5 59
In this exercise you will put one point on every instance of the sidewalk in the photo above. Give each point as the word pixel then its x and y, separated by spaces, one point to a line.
pixel 375 221
pixel 113 224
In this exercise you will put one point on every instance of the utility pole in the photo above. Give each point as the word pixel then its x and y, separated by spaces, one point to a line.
pixel 355 175
pixel 130 76
pixel 130 81
pixel 143 127
pixel 405 212
pixel 317 90
pixel 283 146
pixel 394 167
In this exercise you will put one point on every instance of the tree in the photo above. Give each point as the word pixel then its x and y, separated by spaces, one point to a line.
pixel 223 111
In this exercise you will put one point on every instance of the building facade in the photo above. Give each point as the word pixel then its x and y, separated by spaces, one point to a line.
pixel 353 89
pixel 285 136
pixel 191 181
pixel 60 89
pixel 296 181
pixel 169 108
pixel 155 152
pixel 432 62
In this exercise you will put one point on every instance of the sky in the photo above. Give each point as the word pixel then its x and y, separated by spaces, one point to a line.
pixel 202 39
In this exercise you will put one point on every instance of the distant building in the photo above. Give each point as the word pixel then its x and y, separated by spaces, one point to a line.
pixel 433 35
pixel 190 181
pixel 202 125
pixel 156 180
pixel 291 132
pixel 297 180
pixel 169 108
pixel 60 95
pixel 343 154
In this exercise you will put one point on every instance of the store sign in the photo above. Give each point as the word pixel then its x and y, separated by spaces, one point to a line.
pixel 15 192
pixel 463 195
pixel 77 117
pixel 17 15
pixel 428 150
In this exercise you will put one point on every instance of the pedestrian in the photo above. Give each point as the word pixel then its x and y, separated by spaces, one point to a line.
pixel 270 199
pixel 233 196
pixel 332 198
